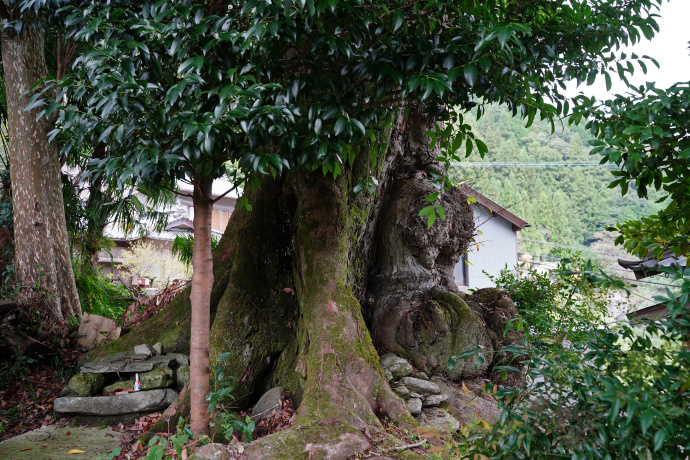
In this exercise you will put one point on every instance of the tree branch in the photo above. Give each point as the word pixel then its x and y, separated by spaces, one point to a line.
pixel 221 196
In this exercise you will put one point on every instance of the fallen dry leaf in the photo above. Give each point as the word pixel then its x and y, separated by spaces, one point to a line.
pixel 28 448
pixel 68 433
pixel 75 451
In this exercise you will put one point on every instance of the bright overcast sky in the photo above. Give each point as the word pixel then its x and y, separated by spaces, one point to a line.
pixel 669 47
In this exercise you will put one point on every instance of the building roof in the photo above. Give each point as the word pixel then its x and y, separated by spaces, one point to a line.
pixel 650 265
pixel 655 311
pixel 495 208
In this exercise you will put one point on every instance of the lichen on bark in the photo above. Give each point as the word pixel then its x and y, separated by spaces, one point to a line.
pixel 43 263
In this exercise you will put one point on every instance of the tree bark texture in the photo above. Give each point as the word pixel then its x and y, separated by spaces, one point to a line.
pixel 317 281
pixel 43 263
pixel 202 284
pixel 411 300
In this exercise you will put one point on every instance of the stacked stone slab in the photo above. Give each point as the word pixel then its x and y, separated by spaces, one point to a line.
pixel 158 373
pixel 422 396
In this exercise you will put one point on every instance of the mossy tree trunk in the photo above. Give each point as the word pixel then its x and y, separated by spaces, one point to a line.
pixel 316 281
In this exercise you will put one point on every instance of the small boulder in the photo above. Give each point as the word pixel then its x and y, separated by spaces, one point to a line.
pixel 181 376
pixel 145 349
pixel 434 400
pixel 182 360
pixel 414 405
pixel 389 376
pixel 212 451
pixel 86 384
pixel 401 390
pixel 121 385
pixel 157 378
pixel 440 418
pixel 269 404
pixel 396 365
pixel 158 347
pixel 424 387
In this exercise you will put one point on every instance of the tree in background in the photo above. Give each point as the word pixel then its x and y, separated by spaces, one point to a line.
pixel 42 258
pixel 647 134
pixel 311 93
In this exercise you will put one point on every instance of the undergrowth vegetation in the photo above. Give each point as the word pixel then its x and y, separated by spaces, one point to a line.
pixel 99 295
pixel 595 390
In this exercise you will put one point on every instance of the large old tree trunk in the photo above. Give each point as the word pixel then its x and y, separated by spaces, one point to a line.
pixel 315 282
pixel 43 264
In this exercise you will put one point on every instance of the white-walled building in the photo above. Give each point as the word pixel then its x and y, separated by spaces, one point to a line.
pixel 495 246
pixel 180 221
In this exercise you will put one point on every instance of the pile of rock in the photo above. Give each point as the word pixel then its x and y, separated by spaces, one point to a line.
pixel 104 386
pixel 422 396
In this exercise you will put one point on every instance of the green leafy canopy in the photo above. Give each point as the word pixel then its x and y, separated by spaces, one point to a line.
pixel 176 90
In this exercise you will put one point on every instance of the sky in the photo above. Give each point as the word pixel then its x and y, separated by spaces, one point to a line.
pixel 669 47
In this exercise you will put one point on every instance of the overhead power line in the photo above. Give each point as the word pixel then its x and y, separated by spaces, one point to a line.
pixel 574 248
pixel 531 164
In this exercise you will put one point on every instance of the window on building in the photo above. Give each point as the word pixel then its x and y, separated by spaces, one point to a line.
pixel 219 220
pixel 460 272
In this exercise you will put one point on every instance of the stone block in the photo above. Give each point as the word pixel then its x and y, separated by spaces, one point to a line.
pixel 396 365
pixel 440 418
pixel 122 385
pixel 127 362
pixel 145 349
pixel 158 347
pixel 182 360
pixel 86 384
pixel 212 451
pixel 434 400
pixel 140 401
pixel 424 387
pixel 414 405
pixel 157 378
pixel 181 376
pixel 401 390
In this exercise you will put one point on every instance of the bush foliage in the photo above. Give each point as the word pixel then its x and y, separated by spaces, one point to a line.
pixel 595 390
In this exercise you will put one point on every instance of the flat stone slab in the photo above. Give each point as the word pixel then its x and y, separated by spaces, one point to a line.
pixel 140 401
pixel 127 361
pixel 424 387
pixel 51 442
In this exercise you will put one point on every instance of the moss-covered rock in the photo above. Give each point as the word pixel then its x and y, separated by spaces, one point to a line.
pixel 121 385
pixel 86 384
pixel 163 377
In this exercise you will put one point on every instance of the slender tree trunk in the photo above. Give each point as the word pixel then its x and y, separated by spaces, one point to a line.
pixel 202 283
pixel 42 256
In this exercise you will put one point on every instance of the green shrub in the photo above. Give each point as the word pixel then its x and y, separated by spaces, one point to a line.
pixel 617 392
pixel 561 303
pixel 98 295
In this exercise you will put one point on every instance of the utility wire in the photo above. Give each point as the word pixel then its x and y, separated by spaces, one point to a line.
pixel 531 164
pixel 575 248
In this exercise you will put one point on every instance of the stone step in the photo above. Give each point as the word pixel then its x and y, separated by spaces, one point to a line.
pixel 140 401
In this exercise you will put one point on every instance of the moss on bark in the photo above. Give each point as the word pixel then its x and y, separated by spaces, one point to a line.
pixel 257 315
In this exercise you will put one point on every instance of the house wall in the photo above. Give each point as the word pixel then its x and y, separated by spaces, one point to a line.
pixel 497 247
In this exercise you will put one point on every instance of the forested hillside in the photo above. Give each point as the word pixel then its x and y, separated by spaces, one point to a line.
pixel 565 205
